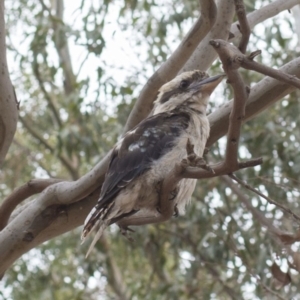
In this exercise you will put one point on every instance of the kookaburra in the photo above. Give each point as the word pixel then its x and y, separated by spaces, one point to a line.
pixel 144 157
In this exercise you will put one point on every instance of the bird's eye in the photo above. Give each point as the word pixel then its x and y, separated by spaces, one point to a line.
pixel 184 84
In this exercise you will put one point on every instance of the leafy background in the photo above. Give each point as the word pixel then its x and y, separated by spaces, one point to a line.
pixel 77 77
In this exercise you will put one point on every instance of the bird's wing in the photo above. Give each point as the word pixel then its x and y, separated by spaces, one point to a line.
pixel 147 142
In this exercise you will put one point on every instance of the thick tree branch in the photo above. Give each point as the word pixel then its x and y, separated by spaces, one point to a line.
pixel 174 63
pixel 203 57
pixel 8 100
pixel 42 223
pixel 32 187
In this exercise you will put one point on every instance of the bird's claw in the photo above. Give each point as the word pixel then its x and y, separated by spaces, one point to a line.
pixel 195 161
pixel 176 212
pixel 201 163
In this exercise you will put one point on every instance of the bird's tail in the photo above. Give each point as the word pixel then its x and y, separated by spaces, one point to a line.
pixel 97 218
pixel 102 226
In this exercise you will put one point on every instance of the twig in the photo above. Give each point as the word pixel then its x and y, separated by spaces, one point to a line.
pixel 219 169
pixel 249 64
pixel 44 91
pixel 271 201
pixel 256 213
pixel 227 54
pixel 243 25
pixel 270 291
pixel 240 60
pixel 213 271
pixel 115 276
pixel 264 13
pixel 61 44
pixel 23 192
pixel 175 62
pixel 62 47
pixel 208 265
pixel 73 172
pixel 29 153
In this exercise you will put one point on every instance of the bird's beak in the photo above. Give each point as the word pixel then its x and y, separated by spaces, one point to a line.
pixel 207 85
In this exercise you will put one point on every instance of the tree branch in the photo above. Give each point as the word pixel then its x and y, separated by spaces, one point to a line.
pixel 61 43
pixel 115 277
pixel 248 63
pixel 62 47
pixel 23 192
pixel 264 13
pixel 32 156
pixel 73 171
pixel 256 213
pixel 243 25
pixel 271 201
pixel 174 63
pixel 44 221
pixel 44 91
pixel 8 100
pixel 262 95
pixel 210 268
pixel 203 57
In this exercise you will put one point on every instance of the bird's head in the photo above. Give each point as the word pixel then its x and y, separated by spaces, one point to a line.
pixel 189 89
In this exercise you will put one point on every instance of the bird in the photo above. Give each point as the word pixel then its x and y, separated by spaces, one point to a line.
pixel 141 160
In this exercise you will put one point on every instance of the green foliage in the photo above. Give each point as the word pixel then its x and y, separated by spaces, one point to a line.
pixel 69 121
